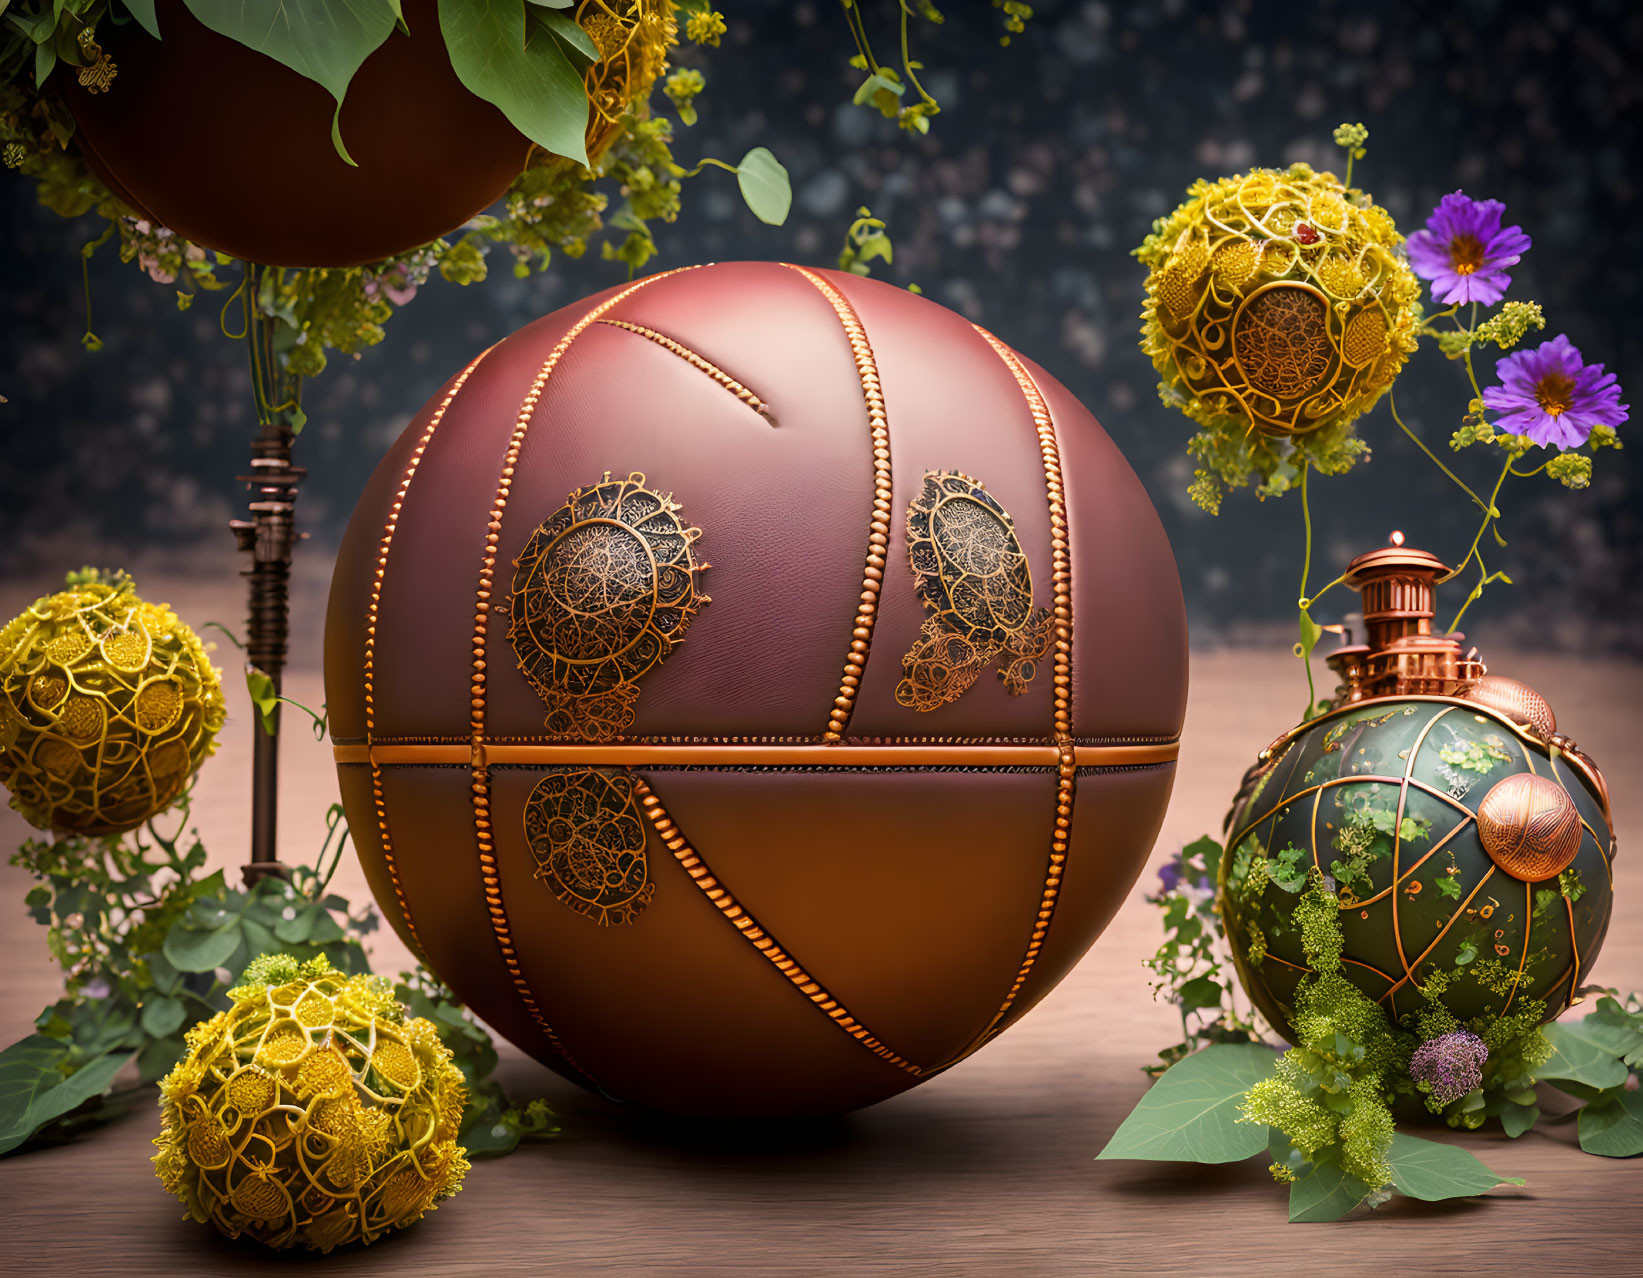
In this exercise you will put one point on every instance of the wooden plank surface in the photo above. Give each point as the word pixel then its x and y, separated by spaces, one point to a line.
pixel 985 1170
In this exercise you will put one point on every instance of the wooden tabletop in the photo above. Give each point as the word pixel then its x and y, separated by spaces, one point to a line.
pixel 987 1169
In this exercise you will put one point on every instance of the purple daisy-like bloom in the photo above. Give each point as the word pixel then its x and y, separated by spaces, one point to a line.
pixel 1553 396
pixel 1464 250
pixel 1450 1065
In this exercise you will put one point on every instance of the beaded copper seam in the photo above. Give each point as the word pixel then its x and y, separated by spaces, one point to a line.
pixel 489 873
pixel 761 940
pixel 1397 833
pixel 1062 613
pixel 878 538
pixel 371 614
pixel 975 582
pixel 699 364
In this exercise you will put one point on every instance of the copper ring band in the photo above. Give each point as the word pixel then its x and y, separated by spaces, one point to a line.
pixel 546 754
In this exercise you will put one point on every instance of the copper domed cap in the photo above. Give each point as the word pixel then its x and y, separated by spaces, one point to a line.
pixel 1517 701
pixel 1529 827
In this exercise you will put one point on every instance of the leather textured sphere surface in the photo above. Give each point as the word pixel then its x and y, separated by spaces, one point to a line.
pixel 753 688
pixel 232 150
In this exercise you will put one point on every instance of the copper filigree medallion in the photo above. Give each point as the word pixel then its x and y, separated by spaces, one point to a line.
pixel 602 592
pixel 973 577
pixel 584 829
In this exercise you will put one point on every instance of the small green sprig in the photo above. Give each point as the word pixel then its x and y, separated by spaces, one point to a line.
pixel 1192 968
pixel 885 89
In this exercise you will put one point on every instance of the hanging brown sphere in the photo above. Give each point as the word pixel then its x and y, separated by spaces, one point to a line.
pixel 754 688
pixel 232 150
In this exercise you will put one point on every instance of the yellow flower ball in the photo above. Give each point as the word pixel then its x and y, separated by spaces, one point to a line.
pixel 108 706
pixel 313 1112
pixel 634 38
pixel 1277 300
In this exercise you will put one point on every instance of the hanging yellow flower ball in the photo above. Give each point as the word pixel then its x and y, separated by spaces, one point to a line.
pixel 313 1111
pixel 108 706
pixel 1278 303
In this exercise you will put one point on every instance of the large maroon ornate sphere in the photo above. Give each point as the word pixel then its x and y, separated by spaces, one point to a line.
pixel 754 687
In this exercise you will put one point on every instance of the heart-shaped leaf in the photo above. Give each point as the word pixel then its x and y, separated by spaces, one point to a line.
pixel 525 75
pixel 1328 1193
pixel 765 186
pixel 1614 1130
pixel 1432 1171
pixel 1581 1056
pixel 1191 1112
pixel 325 40
pixel 34 1090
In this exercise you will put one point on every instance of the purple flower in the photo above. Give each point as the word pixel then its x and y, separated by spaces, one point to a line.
pixel 1169 876
pixel 1551 395
pixel 1464 250
pixel 1450 1065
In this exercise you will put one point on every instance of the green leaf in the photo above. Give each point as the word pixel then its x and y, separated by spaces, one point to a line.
pixel 45 58
pixel 531 82
pixel 1191 1112
pixel 143 11
pixel 191 951
pixel 1327 1194
pixel 264 696
pixel 163 1016
pixel 1516 1119
pixel 295 930
pixel 1614 1130
pixel 158 1057
pixel 765 186
pixel 576 44
pixel 1432 1171
pixel 1580 1055
pixel 33 1089
pixel 1201 991
pixel 323 40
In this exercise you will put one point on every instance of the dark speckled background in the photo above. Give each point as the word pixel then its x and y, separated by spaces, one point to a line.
pixel 1048 164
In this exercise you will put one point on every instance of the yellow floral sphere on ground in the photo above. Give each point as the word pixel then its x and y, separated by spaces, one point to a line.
pixel 1279 299
pixel 108 706
pixel 313 1111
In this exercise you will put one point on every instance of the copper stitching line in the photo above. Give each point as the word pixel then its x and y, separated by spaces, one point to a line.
pixel 1398 882
pixel 701 365
pixel 1528 930
pixel 1602 848
pixel 1334 781
pixel 1317 800
pixel 878 538
pixel 1574 948
pixel 488 869
pixel 1061 581
pixel 758 937
pixel 1454 703
pixel 1397 832
pixel 1300 967
pixel 1421 958
pixel 371 615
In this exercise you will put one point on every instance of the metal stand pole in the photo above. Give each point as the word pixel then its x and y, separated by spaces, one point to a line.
pixel 269 537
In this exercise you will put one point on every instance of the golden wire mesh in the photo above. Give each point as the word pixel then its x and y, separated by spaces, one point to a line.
pixel 974 579
pixel 108 706
pixel 312 1112
pixel 1282 302
pixel 633 38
